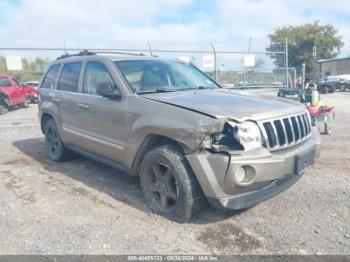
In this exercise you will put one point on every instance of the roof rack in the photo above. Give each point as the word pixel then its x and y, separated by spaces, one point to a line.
pixel 87 52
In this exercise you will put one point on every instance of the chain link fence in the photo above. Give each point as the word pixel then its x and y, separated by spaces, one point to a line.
pixel 227 66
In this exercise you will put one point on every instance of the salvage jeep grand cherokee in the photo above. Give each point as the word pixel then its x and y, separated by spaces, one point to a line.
pixel 189 140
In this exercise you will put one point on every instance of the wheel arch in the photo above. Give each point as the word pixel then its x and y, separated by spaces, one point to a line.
pixel 155 140
pixel 44 118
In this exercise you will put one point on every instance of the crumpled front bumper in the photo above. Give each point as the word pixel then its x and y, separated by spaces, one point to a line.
pixel 273 173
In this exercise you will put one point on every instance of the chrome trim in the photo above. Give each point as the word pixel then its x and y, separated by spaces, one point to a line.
pixel 292 129
pixel 284 132
pixel 287 144
pixel 92 138
pixel 276 134
pixel 297 121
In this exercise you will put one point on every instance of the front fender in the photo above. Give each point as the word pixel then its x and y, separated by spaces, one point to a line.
pixel 189 134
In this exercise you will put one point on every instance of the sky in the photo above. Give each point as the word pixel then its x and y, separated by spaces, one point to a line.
pixel 166 24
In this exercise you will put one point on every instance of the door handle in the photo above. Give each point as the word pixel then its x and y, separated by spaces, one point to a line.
pixel 83 106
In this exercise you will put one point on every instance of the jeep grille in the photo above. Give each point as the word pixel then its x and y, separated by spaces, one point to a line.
pixel 287 131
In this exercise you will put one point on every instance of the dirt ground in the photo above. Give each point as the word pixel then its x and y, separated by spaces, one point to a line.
pixel 83 207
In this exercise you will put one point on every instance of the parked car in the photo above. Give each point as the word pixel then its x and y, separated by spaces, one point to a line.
pixel 11 94
pixel 31 89
pixel 32 83
pixel 188 139
pixel 329 84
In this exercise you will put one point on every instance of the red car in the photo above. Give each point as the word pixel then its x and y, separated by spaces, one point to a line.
pixel 11 93
pixel 32 91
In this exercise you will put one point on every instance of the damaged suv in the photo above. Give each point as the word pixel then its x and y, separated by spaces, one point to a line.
pixel 190 141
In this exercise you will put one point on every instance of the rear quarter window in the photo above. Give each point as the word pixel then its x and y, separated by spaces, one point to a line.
pixel 69 77
pixel 49 80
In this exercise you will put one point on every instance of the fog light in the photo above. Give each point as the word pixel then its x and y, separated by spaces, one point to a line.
pixel 244 175
pixel 240 174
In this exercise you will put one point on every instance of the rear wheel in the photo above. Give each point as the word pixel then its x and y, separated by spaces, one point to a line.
pixel 169 186
pixel 55 148
pixel 323 90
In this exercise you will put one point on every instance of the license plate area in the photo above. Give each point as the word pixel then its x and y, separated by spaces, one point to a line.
pixel 303 161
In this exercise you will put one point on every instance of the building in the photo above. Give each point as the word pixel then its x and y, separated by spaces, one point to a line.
pixel 338 66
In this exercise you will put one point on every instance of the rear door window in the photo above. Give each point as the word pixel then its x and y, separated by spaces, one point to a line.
pixel 50 77
pixel 69 77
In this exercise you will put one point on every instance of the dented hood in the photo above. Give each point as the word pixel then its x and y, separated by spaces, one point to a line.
pixel 225 103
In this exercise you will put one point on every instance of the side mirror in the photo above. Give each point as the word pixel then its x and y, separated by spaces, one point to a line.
pixel 107 89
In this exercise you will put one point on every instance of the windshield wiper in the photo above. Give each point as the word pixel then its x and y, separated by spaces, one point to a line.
pixel 159 90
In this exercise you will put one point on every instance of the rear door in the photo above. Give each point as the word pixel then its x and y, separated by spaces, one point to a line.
pixel 67 90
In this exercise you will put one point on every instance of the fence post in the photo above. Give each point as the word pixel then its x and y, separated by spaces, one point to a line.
pixel 65 46
pixel 303 84
pixel 150 48
pixel 215 62
pixel 295 77
pixel 286 51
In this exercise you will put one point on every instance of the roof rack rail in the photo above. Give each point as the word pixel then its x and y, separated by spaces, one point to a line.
pixel 119 53
pixel 87 52
pixel 81 53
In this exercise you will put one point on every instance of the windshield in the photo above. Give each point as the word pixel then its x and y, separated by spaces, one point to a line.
pixel 147 76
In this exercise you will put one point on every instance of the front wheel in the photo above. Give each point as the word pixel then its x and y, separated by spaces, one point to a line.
pixel 169 186
pixel 55 148
pixel 327 129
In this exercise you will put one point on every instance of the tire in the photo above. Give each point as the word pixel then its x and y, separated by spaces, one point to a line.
pixel 169 186
pixel 324 90
pixel 330 90
pixel 342 88
pixel 3 110
pixel 327 129
pixel 6 103
pixel 56 150
pixel 313 121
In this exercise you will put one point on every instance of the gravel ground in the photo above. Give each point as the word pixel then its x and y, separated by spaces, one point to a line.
pixel 83 207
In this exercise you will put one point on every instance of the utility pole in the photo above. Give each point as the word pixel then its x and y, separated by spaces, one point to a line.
pixel 65 47
pixel 215 62
pixel 244 67
pixel 303 83
pixel 314 56
pixel 150 48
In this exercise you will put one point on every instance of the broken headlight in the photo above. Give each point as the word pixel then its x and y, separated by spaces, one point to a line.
pixel 248 135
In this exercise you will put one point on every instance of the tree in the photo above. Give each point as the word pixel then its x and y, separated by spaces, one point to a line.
pixel 306 44
pixel 31 70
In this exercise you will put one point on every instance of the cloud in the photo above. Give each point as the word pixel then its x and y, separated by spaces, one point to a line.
pixel 187 24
